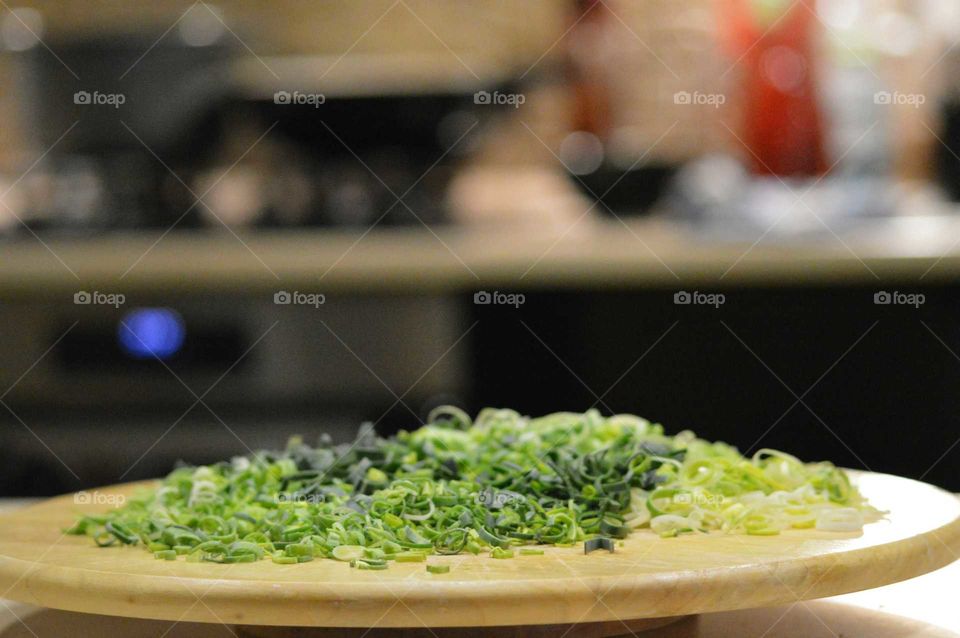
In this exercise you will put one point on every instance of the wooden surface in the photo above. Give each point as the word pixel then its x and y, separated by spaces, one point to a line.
pixel 813 620
pixel 592 253
pixel 648 577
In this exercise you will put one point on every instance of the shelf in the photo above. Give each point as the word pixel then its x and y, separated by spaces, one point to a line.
pixel 591 254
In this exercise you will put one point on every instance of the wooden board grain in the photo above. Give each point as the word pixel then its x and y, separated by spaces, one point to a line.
pixel 649 577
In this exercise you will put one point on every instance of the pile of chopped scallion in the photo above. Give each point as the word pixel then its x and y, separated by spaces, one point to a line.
pixel 501 484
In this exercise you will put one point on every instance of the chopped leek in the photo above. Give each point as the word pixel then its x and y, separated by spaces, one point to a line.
pixel 494 484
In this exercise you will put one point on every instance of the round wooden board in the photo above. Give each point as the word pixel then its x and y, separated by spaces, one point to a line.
pixel 649 577
pixel 816 619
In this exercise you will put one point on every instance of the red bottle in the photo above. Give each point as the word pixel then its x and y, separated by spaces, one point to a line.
pixel 782 126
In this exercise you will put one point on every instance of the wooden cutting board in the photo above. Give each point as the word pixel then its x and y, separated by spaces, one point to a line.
pixel 817 619
pixel 649 577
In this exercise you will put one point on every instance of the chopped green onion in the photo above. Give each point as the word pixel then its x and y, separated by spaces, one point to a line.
pixel 347 553
pixel 410 557
pixel 487 484
pixel 593 544
pixel 438 569
pixel 608 528
pixel 374 552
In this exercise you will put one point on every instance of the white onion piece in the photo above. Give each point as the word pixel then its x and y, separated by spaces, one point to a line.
pixel 666 523
pixel 841 519
pixel 638 518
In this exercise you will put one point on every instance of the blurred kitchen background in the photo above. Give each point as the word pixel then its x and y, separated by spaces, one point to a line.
pixel 224 223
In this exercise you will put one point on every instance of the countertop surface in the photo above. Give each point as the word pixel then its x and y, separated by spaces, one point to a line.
pixel 589 253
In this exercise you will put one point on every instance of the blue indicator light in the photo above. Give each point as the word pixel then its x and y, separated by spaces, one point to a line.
pixel 146 333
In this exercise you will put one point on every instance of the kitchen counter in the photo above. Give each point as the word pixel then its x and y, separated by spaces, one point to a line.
pixel 594 253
